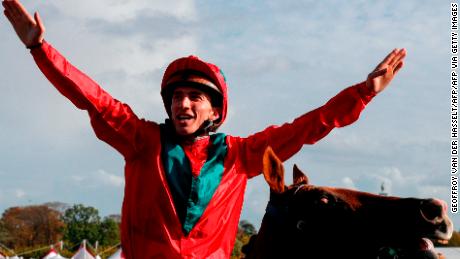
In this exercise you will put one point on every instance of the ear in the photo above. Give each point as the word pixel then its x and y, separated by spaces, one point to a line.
pixel 273 171
pixel 298 176
pixel 215 114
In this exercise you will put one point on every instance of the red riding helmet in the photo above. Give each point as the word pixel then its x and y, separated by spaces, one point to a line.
pixel 194 72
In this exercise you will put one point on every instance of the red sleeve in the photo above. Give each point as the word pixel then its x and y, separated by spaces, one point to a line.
pixel 288 139
pixel 113 122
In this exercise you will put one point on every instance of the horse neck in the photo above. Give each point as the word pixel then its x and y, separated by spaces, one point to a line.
pixel 273 239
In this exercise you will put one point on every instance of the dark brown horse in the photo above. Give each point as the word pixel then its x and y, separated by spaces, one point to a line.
pixel 306 221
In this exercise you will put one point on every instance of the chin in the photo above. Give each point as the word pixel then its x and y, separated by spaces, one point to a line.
pixel 184 131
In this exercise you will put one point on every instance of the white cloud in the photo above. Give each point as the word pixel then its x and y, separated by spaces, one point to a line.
pixel 121 10
pixel 78 178
pixel 110 179
pixel 394 175
pixel 398 183
pixel 348 183
pixel 97 179
pixel 19 193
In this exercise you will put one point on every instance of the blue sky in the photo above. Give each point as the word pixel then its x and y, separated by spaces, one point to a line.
pixel 281 59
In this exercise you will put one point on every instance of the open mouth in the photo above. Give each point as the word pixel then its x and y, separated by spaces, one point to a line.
pixel 437 228
pixel 424 244
pixel 184 118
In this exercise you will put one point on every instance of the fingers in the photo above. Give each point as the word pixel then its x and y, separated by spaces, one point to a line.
pixel 398 67
pixel 388 58
pixel 8 12
pixel 11 7
pixel 8 16
pixel 39 22
pixel 5 5
pixel 21 10
pixel 16 10
pixel 391 57
pixel 397 57
pixel 392 60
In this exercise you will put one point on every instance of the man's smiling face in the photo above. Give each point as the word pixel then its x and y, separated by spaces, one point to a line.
pixel 190 107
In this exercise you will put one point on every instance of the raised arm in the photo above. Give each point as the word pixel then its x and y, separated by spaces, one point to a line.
pixel 343 109
pixel 30 30
pixel 113 121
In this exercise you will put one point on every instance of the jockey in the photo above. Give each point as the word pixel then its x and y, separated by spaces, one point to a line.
pixel 184 183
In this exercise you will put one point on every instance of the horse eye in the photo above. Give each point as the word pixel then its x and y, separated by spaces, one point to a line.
pixel 301 225
pixel 324 200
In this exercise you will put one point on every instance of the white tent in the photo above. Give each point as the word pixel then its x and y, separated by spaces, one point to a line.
pixel 83 253
pixel 2 256
pixel 52 254
pixel 117 255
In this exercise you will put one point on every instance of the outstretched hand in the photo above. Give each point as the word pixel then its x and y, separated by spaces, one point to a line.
pixel 382 75
pixel 29 29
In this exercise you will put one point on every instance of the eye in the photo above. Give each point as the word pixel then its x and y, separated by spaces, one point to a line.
pixel 176 97
pixel 323 200
pixel 196 96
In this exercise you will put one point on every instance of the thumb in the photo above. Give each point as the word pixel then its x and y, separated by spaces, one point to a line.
pixel 39 22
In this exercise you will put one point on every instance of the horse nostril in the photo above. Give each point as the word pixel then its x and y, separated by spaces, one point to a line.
pixel 432 210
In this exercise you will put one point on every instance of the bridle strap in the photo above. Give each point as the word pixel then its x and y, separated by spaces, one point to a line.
pixel 298 188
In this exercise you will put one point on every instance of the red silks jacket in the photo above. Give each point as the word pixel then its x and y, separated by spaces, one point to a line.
pixel 150 226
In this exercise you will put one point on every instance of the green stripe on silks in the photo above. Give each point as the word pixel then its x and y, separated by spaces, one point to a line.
pixel 205 185
pixel 191 195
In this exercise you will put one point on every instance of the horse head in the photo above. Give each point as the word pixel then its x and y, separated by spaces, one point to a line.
pixel 307 221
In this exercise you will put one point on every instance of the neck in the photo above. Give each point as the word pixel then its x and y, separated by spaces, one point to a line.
pixel 201 133
pixel 190 139
pixel 273 239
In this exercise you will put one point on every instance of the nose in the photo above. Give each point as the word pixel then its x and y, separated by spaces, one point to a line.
pixel 433 210
pixel 184 102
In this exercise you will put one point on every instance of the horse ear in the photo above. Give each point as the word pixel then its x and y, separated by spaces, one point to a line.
pixel 273 170
pixel 298 176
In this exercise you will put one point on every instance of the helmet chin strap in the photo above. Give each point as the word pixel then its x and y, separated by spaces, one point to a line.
pixel 203 130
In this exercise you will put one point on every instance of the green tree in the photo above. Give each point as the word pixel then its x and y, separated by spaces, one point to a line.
pixel 82 223
pixel 3 232
pixel 245 231
pixel 109 232
pixel 246 228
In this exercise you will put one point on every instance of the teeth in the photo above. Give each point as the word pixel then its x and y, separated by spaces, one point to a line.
pixel 184 117
pixel 442 241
